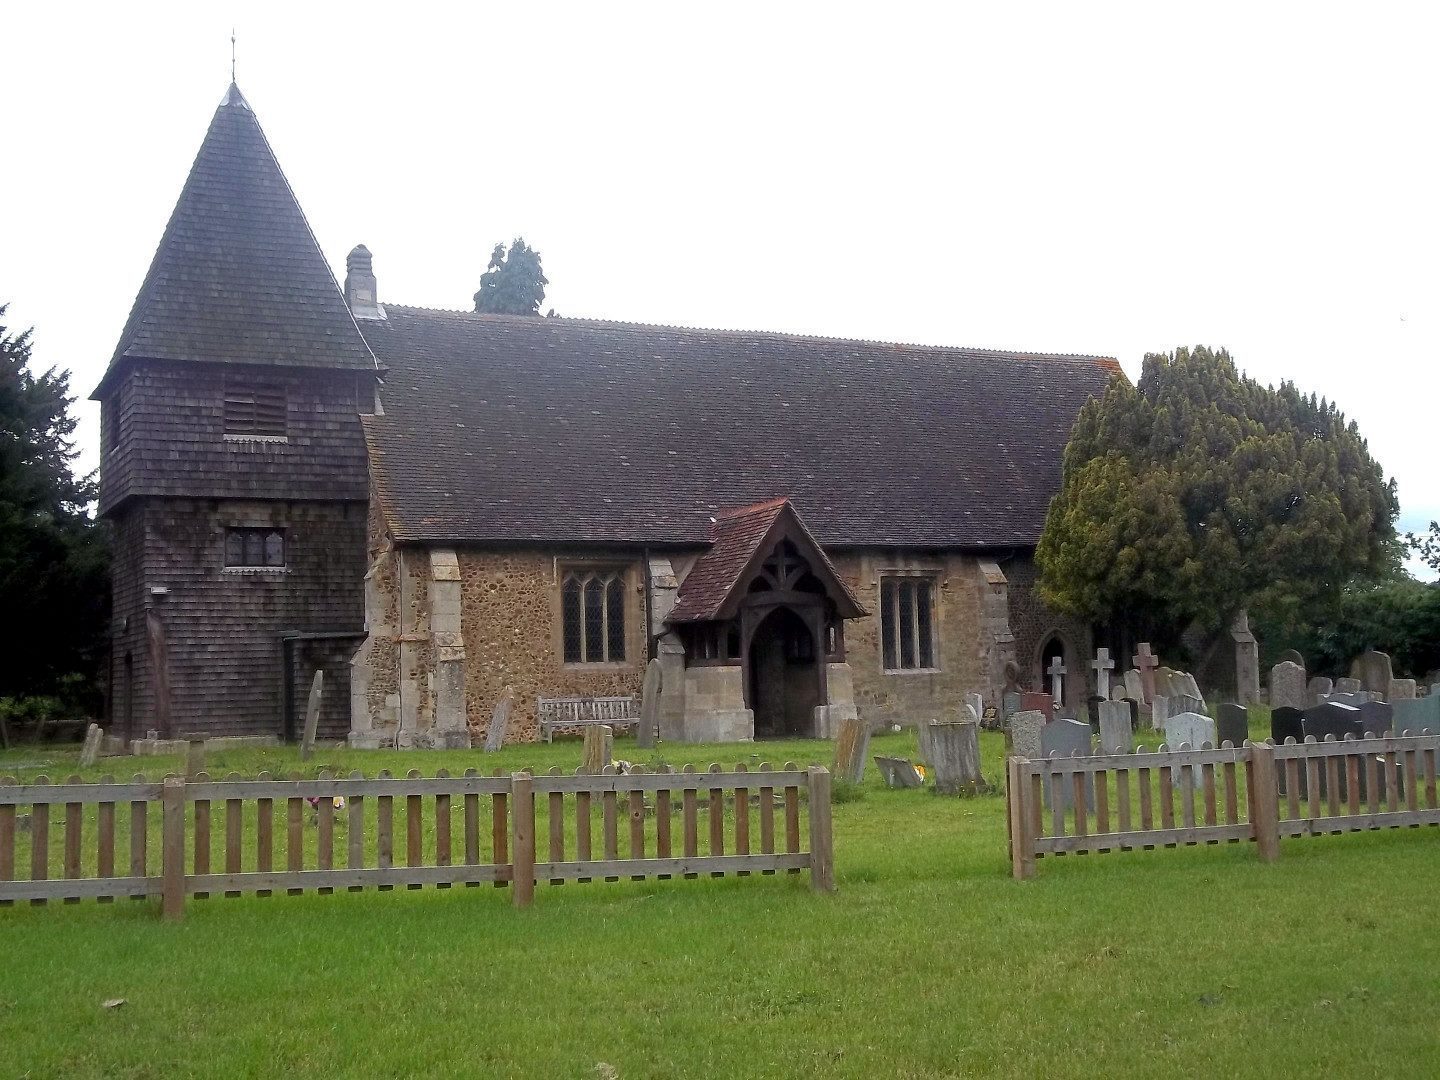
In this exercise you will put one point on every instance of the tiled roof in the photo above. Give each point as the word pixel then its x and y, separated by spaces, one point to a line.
pixel 514 429
pixel 738 537
pixel 238 276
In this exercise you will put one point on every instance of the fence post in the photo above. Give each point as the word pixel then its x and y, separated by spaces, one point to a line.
pixel 522 839
pixel 172 849
pixel 1264 801
pixel 1021 819
pixel 822 842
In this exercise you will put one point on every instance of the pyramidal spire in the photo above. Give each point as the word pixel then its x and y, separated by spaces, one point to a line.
pixel 238 276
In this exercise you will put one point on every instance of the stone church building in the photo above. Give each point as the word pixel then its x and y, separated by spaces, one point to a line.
pixel 433 507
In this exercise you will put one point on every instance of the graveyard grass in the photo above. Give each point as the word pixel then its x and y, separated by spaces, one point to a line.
pixel 928 961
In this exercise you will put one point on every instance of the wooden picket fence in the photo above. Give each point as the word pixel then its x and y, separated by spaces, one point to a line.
pixel 494 819
pixel 1257 792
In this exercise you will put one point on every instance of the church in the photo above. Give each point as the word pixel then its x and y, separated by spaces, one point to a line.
pixel 437 508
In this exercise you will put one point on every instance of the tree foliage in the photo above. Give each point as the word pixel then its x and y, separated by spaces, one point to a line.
pixel 514 283
pixel 1427 545
pixel 54 561
pixel 1198 491
pixel 1399 617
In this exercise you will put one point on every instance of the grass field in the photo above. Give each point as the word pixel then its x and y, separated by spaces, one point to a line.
pixel 928 961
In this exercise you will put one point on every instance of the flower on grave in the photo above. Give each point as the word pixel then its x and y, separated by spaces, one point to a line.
pixel 920 772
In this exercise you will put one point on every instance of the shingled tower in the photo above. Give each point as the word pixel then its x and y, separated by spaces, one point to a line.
pixel 233 466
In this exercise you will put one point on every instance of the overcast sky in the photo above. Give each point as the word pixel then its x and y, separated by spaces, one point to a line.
pixel 1110 179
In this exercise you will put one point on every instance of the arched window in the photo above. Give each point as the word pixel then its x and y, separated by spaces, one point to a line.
pixel 592 608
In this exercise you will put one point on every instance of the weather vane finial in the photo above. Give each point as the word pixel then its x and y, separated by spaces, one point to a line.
pixel 232 54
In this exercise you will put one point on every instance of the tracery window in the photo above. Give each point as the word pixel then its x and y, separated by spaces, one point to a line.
pixel 907 622
pixel 592 605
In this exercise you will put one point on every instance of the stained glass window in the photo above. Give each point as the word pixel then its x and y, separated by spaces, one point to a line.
pixel 593 614
pixel 907 622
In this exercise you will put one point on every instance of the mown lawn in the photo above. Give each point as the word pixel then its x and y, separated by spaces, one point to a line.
pixel 928 961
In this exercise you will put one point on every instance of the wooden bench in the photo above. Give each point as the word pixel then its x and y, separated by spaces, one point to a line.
pixel 582 712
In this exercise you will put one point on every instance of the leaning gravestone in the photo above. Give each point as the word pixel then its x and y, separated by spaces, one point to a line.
pixel 976 703
pixel 1187 703
pixel 1400 690
pixel 1420 716
pixel 91 750
pixel 1067 738
pixel 851 745
pixel 1134 685
pixel 1189 729
pixel 1025 728
pixel 899 772
pixel 499 722
pixel 649 706
pixel 1317 689
pixel 1232 725
pixel 1115 731
pixel 1373 670
pixel 1287 686
pixel 956 758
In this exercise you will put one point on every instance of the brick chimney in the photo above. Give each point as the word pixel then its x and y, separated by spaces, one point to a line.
pixel 360 285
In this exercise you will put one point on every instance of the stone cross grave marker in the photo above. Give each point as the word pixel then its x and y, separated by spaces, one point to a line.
pixel 1146 662
pixel 650 706
pixel 1232 725
pixel 1115 730
pixel 852 744
pixel 1418 716
pixel 1025 727
pixel 1189 729
pixel 91 750
pixel 1103 665
pixel 500 721
pixel 1067 738
pixel 956 758
pixel 1287 685
pixel 312 714
pixel 1057 672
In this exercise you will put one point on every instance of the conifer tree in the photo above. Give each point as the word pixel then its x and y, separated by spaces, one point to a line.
pixel 1198 491
pixel 514 283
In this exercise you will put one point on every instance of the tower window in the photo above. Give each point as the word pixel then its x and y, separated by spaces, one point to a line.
pixel 255 548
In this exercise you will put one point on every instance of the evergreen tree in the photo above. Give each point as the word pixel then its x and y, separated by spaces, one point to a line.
pixel 54 562
pixel 514 283
pixel 1199 491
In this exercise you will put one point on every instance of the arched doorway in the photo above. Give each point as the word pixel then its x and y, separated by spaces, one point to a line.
pixel 784 676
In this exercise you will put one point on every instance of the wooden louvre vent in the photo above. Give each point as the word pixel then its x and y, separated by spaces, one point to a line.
pixel 254 411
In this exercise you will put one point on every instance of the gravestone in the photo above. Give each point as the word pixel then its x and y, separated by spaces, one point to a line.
pixel 1290 656
pixel 1247 660
pixel 1189 729
pixel 1042 703
pixel 195 755
pixel 1146 662
pixel 645 731
pixel 1134 685
pixel 1009 704
pixel 1418 716
pixel 956 760
pixel 1377 717
pixel 1348 686
pixel 1067 738
pixel 1287 686
pixel 1115 730
pixel 1400 690
pixel 1373 670
pixel 1186 703
pixel 899 772
pixel 1103 666
pixel 500 721
pixel 312 714
pixel 977 705
pixel 1232 725
pixel 1286 723
pixel 1159 712
pixel 599 749
pixel 1335 718
pixel 1317 689
pixel 1025 728
pixel 91 750
pixel 851 745
pixel 922 740
pixel 1092 711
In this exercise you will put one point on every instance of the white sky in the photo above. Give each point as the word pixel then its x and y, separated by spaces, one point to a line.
pixel 1111 178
